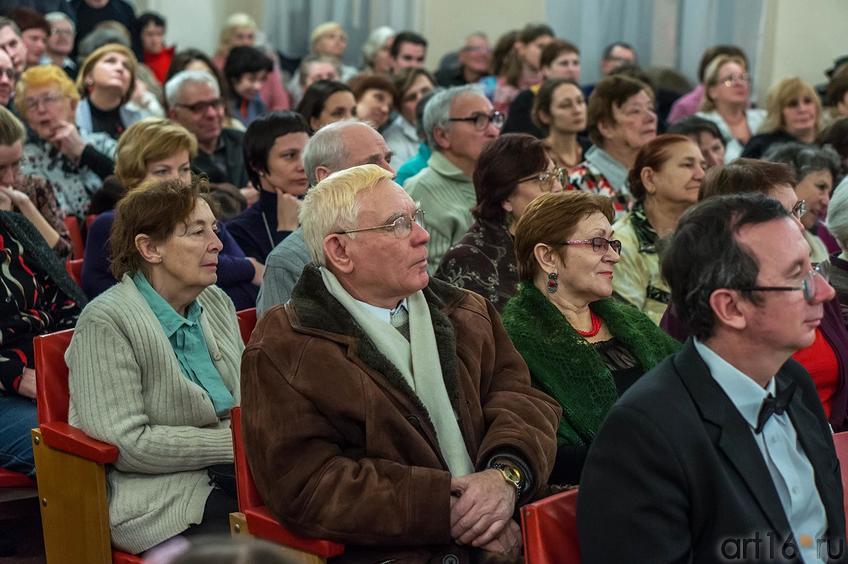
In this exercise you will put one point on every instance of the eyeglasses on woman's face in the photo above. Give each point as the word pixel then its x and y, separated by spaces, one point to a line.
pixel 548 179
pixel 600 245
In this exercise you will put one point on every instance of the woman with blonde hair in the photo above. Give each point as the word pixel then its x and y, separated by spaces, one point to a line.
pixel 157 148
pixel 726 103
pixel 240 30
pixel 106 83
pixel 793 115
pixel 74 161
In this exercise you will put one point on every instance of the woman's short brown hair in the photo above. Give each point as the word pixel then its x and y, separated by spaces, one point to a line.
pixel 361 84
pixel 405 78
pixel 149 140
pixel 611 92
pixel 154 209
pixel 501 164
pixel 551 219
pixel 653 154
pixel 745 175
pixel 88 66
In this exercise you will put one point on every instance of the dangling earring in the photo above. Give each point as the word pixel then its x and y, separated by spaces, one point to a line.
pixel 553 285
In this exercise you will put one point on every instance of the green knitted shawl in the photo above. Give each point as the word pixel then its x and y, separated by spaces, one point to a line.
pixel 566 366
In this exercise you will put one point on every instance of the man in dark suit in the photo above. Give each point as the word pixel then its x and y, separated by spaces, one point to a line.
pixel 722 453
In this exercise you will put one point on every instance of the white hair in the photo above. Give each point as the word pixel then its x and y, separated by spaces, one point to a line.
pixel 437 111
pixel 174 87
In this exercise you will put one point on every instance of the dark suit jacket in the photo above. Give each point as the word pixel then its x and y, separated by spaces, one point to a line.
pixel 675 475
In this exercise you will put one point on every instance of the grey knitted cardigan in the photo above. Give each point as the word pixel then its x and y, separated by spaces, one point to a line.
pixel 127 389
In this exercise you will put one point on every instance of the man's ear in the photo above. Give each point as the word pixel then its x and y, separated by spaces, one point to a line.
pixel 321 172
pixel 440 134
pixel 148 249
pixel 337 252
pixel 730 309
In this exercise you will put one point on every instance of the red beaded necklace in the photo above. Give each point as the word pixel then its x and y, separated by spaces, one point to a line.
pixel 596 326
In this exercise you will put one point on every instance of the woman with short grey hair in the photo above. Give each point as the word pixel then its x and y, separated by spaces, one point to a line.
pixel 816 169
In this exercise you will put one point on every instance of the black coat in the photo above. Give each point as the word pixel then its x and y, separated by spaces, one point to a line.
pixel 675 471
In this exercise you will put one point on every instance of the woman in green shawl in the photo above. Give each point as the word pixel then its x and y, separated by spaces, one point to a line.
pixel 583 348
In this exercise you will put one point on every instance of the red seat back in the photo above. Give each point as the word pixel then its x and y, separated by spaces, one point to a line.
pixel 246 321
pixel 51 376
pixel 77 244
pixel 549 527
pixel 248 496
pixel 840 442
pixel 74 268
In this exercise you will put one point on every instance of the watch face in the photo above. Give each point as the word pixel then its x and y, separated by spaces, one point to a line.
pixel 512 474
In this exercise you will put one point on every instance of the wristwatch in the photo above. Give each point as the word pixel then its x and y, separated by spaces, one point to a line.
pixel 511 474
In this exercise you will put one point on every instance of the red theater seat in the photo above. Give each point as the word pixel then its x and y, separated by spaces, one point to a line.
pixel 549 528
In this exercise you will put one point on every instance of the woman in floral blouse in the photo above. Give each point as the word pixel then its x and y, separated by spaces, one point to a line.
pixel 510 173
pixel 30 195
pixel 74 162
pixel 622 118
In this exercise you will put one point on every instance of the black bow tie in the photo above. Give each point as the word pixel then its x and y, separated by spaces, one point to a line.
pixel 774 405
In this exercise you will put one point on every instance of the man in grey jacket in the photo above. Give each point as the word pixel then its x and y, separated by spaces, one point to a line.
pixel 334 147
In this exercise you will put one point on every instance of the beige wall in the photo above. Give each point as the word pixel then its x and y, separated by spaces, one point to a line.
pixel 802 38
pixel 445 23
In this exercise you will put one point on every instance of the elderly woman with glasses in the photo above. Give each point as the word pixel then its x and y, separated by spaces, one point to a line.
pixel 583 348
pixel 512 171
pixel 827 358
pixel 73 161
pixel 726 103
pixel 664 182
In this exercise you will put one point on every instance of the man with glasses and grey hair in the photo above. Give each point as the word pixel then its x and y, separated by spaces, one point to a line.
pixel 194 101
pixel 459 122
pixel 384 409
pixel 723 453
pixel 334 147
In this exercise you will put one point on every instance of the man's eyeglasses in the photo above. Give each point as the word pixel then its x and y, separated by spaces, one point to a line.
pixel 46 100
pixel 808 284
pixel 732 79
pixel 400 227
pixel 202 106
pixel 599 244
pixel 481 121
pixel 547 179
pixel 799 209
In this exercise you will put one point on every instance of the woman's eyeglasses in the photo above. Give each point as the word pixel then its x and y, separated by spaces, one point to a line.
pixel 599 244
pixel 547 179
pixel 732 79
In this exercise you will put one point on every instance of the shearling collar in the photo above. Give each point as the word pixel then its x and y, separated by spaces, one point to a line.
pixel 312 309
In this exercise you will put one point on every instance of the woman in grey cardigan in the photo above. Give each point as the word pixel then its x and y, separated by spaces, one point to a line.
pixel 154 369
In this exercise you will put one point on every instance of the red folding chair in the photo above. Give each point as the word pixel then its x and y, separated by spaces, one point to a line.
pixel 840 442
pixel 254 519
pixel 246 321
pixel 549 529
pixel 77 243
pixel 71 468
pixel 74 268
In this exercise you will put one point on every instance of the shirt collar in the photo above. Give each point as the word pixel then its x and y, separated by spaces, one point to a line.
pixel 382 313
pixel 442 165
pixel 169 318
pixel 614 171
pixel 744 393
